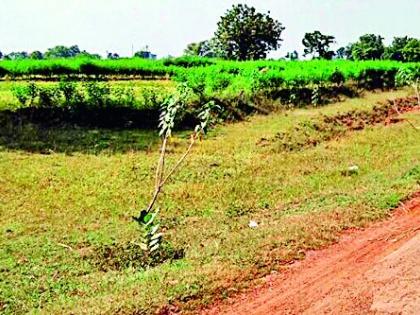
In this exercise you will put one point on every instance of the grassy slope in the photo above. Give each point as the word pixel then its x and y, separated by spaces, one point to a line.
pixel 55 208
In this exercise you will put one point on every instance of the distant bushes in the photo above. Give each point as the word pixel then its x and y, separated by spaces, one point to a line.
pixel 189 62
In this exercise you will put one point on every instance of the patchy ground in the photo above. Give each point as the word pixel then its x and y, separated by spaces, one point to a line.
pixel 310 133
pixel 370 271
pixel 67 199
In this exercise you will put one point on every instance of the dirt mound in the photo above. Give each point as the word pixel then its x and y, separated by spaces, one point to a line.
pixel 371 271
pixel 310 133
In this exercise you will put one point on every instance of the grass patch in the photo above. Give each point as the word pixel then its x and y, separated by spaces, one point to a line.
pixel 130 255
pixel 56 209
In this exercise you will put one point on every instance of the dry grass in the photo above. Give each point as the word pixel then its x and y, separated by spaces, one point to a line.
pixel 56 209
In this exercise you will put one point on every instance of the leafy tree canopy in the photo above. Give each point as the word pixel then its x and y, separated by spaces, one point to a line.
pixel 17 55
pixel 394 52
pixel 293 55
pixel 36 55
pixel 144 54
pixel 194 49
pixel 111 55
pixel 62 52
pixel 411 51
pixel 206 48
pixel 318 45
pixel 341 53
pixel 245 34
pixel 369 47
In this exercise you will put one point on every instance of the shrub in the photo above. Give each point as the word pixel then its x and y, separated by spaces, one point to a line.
pixel 97 94
pixel 3 72
pixel 337 77
pixel 188 62
pixel 70 92
pixel 49 96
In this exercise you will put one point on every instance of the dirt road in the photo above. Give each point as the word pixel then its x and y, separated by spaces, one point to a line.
pixel 371 271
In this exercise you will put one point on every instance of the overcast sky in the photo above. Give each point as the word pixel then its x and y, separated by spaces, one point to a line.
pixel 167 26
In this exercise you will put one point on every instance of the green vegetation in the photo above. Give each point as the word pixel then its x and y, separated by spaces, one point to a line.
pixel 66 231
pixel 318 45
pixel 137 67
pixel 79 145
pixel 245 34
pixel 145 93
pixel 369 47
pixel 239 88
pixel 292 82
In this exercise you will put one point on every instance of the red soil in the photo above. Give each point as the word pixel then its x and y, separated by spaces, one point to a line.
pixel 371 271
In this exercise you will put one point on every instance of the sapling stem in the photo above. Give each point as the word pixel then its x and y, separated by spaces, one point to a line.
pixel 160 180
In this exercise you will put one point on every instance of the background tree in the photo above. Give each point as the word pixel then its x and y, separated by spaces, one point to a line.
pixel 245 34
pixel 110 55
pixel 36 55
pixel 344 52
pixel 19 55
pixel 194 49
pixel 411 51
pixel 292 55
pixel 318 45
pixel 341 53
pixel 395 51
pixel 62 52
pixel 142 54
pixel 1 55
pixel 206 48
pixel 369 47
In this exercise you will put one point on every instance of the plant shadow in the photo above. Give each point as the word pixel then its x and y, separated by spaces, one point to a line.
pixel 54 130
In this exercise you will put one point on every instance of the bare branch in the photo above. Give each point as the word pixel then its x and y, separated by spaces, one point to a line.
pixel 161 162
pixel 178 164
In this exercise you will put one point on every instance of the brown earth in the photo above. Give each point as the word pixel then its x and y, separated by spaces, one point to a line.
pixel 371 271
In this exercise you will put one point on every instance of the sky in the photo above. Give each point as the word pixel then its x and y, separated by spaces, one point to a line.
pixel 167 26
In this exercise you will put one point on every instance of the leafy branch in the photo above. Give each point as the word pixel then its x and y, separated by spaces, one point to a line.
pixel 171 109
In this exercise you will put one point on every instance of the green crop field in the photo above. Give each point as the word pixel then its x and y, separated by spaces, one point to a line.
pixel 289 72
pixel 239 88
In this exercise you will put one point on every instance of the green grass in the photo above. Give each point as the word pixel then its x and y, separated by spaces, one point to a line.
pixel 56 209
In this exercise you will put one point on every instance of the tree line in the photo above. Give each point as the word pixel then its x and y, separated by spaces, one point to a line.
pixel 245 34
pixel 52 53
pixel 66 52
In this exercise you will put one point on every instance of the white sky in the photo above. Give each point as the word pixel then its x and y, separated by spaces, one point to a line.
pixel 167 26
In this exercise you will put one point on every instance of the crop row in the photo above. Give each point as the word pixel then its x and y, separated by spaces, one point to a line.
pixel 217 74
